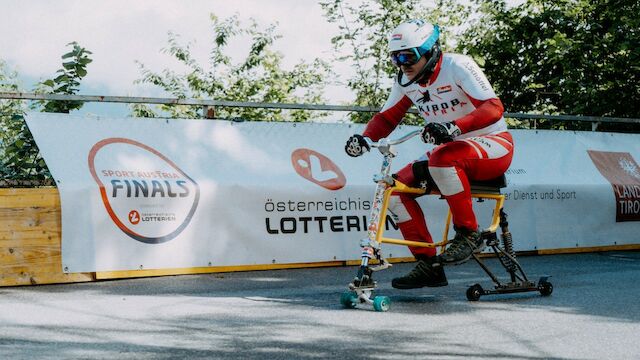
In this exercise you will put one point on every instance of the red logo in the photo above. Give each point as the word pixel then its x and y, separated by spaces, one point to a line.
pixel 134 217
pixel 318 169
pixel 443 89
pixel 396 37
pixel 622 171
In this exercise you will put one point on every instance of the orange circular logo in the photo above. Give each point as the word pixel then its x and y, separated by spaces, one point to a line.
pixel 318 169
pixel 134 217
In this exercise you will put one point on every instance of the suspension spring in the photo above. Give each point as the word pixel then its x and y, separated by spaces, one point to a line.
pixel 507 243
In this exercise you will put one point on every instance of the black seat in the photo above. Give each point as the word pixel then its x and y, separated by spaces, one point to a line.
pixel 491 186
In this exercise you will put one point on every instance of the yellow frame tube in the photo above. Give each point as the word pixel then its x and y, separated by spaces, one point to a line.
pixel 402 188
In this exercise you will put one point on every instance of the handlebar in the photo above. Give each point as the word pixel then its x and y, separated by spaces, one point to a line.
pixel 384 144
pixel 404 137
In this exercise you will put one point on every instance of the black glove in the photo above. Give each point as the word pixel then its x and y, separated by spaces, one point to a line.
pixel 437 133
pixel 356 145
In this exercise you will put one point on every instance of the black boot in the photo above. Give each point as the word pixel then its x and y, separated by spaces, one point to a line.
pixel 428 272
pixel 462 246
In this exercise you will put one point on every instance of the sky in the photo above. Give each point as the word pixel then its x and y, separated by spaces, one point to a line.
pixel 119 33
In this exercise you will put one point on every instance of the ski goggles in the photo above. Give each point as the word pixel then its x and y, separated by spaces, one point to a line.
pixel 406 57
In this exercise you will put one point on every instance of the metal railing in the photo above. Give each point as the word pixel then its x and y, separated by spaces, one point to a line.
pixel 208 104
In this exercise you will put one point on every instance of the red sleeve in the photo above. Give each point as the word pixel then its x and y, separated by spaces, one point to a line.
pixel 486 113
pixel 383 123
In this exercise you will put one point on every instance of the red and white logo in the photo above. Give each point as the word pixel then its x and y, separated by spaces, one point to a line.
pixel 396 37
pixel 622 171
pixel 443 89
pixel 132 175
pixel 134 217
pixel 318 169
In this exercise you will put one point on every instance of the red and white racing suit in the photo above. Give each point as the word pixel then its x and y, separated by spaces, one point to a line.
pixel 457 91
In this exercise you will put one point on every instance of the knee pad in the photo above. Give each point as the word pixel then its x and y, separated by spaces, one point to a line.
pixel 397 209
pixel 422 175
pixel 449 181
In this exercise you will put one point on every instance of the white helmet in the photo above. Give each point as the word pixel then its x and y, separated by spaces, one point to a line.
pixel 414 34
pixel 421 38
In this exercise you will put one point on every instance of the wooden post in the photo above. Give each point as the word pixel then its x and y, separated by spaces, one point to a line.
pixel 208 112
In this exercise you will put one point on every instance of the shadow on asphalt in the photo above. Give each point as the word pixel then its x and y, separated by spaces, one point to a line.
pixel 296 314
pixel 599 284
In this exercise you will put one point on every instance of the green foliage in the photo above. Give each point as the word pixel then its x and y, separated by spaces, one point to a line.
pixel 11 124
pixel 258 78
pixel 364 29
pixel 19 155
pixel 571 56
pixel 21 158
pixel 74 68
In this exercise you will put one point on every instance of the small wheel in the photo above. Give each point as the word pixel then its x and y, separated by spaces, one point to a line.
pixel 381 303
pixel 348 300
pixel 474 292
pixel 545 288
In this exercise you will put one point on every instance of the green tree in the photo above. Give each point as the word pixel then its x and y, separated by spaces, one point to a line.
pixel 362 41
pixel 19 154
pixel 74 68
pixel 258 78
pixel 10 116
pixel 571 56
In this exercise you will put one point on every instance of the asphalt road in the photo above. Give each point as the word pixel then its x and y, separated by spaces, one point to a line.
pixel 593 313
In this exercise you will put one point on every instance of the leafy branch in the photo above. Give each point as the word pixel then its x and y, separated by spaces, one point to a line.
pixel 19 154
pixel 259 77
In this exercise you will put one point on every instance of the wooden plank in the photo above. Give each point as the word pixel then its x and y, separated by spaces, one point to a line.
pixel 15 238
pixel 35 264
pixel 30 238
pixel 25 198
pixel 50 273
pixel 35 254
pixel 26 219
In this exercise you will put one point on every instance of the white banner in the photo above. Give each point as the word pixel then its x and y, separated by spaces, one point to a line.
pixel 158 193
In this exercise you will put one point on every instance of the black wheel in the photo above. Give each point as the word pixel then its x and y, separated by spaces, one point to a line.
pixel 474 292
pixel 545 288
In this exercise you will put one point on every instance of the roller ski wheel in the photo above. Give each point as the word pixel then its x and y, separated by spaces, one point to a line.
pixel 381 303
pixel 348 300
pixel 474 292
pixel 545 288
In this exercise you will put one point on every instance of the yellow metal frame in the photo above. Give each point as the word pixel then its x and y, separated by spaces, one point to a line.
pixel 399 187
